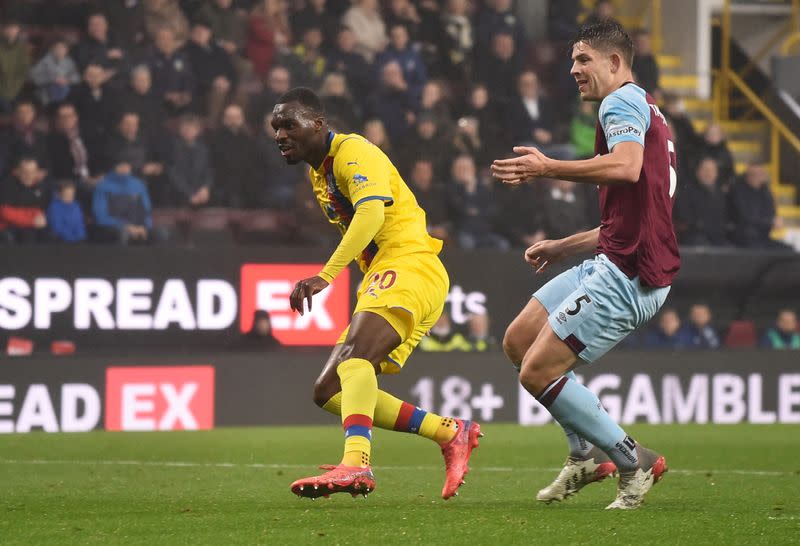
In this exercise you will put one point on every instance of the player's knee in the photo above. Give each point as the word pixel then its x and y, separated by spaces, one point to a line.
pixel 515 344
pixel 351 350
pixel 324 389
pixel 534 378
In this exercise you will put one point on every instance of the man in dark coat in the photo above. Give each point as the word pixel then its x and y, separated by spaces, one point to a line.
pixel 96 104
pixel 700 210
pixel 139 97
pixel 752 209
pixel 189 171
pixel 233 158
pixel 214 73
pixel 23 139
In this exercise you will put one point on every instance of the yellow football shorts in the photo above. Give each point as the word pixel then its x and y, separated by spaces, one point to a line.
pixel 409 292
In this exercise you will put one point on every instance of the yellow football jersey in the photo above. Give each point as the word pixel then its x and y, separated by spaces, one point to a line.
pixel 355 171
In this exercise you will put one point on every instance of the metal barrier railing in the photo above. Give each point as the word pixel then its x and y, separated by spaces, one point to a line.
pixel 727 79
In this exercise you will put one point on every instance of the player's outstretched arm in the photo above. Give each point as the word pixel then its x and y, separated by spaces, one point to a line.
pixel 544 253
pixel 366 223
pixel 623 165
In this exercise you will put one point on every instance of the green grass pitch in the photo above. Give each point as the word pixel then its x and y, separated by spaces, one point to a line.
pixel 727 485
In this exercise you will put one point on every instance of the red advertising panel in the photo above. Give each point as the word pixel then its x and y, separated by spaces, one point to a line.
pixel 268 287
pixel 160 398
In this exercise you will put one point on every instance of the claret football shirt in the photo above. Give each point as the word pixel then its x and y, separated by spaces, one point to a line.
pixel 636 230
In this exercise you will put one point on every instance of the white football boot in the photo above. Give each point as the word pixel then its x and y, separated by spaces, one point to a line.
pixel 634 485
pixel 576 474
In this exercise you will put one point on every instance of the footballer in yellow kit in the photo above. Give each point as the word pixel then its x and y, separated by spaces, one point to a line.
pixel 404 280
pixel 400 297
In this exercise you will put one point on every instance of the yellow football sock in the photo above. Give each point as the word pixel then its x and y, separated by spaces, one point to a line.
pixel 386 409
pixel 388 416
pixel 439 429
pixel 334 404
pixel 359 396
pixel 394 414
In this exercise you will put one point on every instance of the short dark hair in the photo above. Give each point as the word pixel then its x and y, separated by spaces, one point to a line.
pixel 305 97
pixel 65 183
pixel 26 159
pixel 24 100
pixel 202 22
pixel 189 119
pixel 606 35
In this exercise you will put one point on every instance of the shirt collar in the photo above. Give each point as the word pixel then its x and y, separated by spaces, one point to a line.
pixel 331 134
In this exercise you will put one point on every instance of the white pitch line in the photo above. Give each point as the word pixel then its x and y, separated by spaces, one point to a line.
pixel 189 464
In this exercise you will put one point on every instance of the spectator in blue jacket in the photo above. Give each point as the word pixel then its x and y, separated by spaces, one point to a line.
pixel 64 215
pixel 403 52
pixel 122 208
pixel 699 332
pixel 667 334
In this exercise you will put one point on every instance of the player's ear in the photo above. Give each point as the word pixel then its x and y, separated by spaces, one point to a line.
pixel 616 62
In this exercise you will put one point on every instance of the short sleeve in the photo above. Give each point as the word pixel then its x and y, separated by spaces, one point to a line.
pixel 625 116
pixel 364 170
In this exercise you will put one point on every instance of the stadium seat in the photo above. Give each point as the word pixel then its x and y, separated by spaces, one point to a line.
pixel 741 335
pixel 210 226
pixel 19 346
pixel 62 347
pixel 175 221
pixel 259 226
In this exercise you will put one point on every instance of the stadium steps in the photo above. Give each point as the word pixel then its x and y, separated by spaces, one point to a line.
pixel 747 140
pixel 629 21
pixel 785 194
pixel 790 212
pixel 695 106
pixel 733 128
pixel 669 63
pixel 680 84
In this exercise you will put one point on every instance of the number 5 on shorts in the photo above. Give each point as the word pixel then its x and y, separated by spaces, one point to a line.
pixel 573 312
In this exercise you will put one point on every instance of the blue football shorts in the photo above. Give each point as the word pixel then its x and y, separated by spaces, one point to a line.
pixel 594 306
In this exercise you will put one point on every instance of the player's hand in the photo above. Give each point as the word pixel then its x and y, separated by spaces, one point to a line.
pixel 304 290
pixel 542 254
pixel 531 163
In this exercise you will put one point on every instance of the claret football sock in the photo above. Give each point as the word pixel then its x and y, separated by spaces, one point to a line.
pixel 579 447
pixel 391 413
pixel 359 394
pixel 579 410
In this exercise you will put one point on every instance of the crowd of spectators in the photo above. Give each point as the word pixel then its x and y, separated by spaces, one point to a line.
pixel 113 108
pixel 699 332
pixel 667 332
